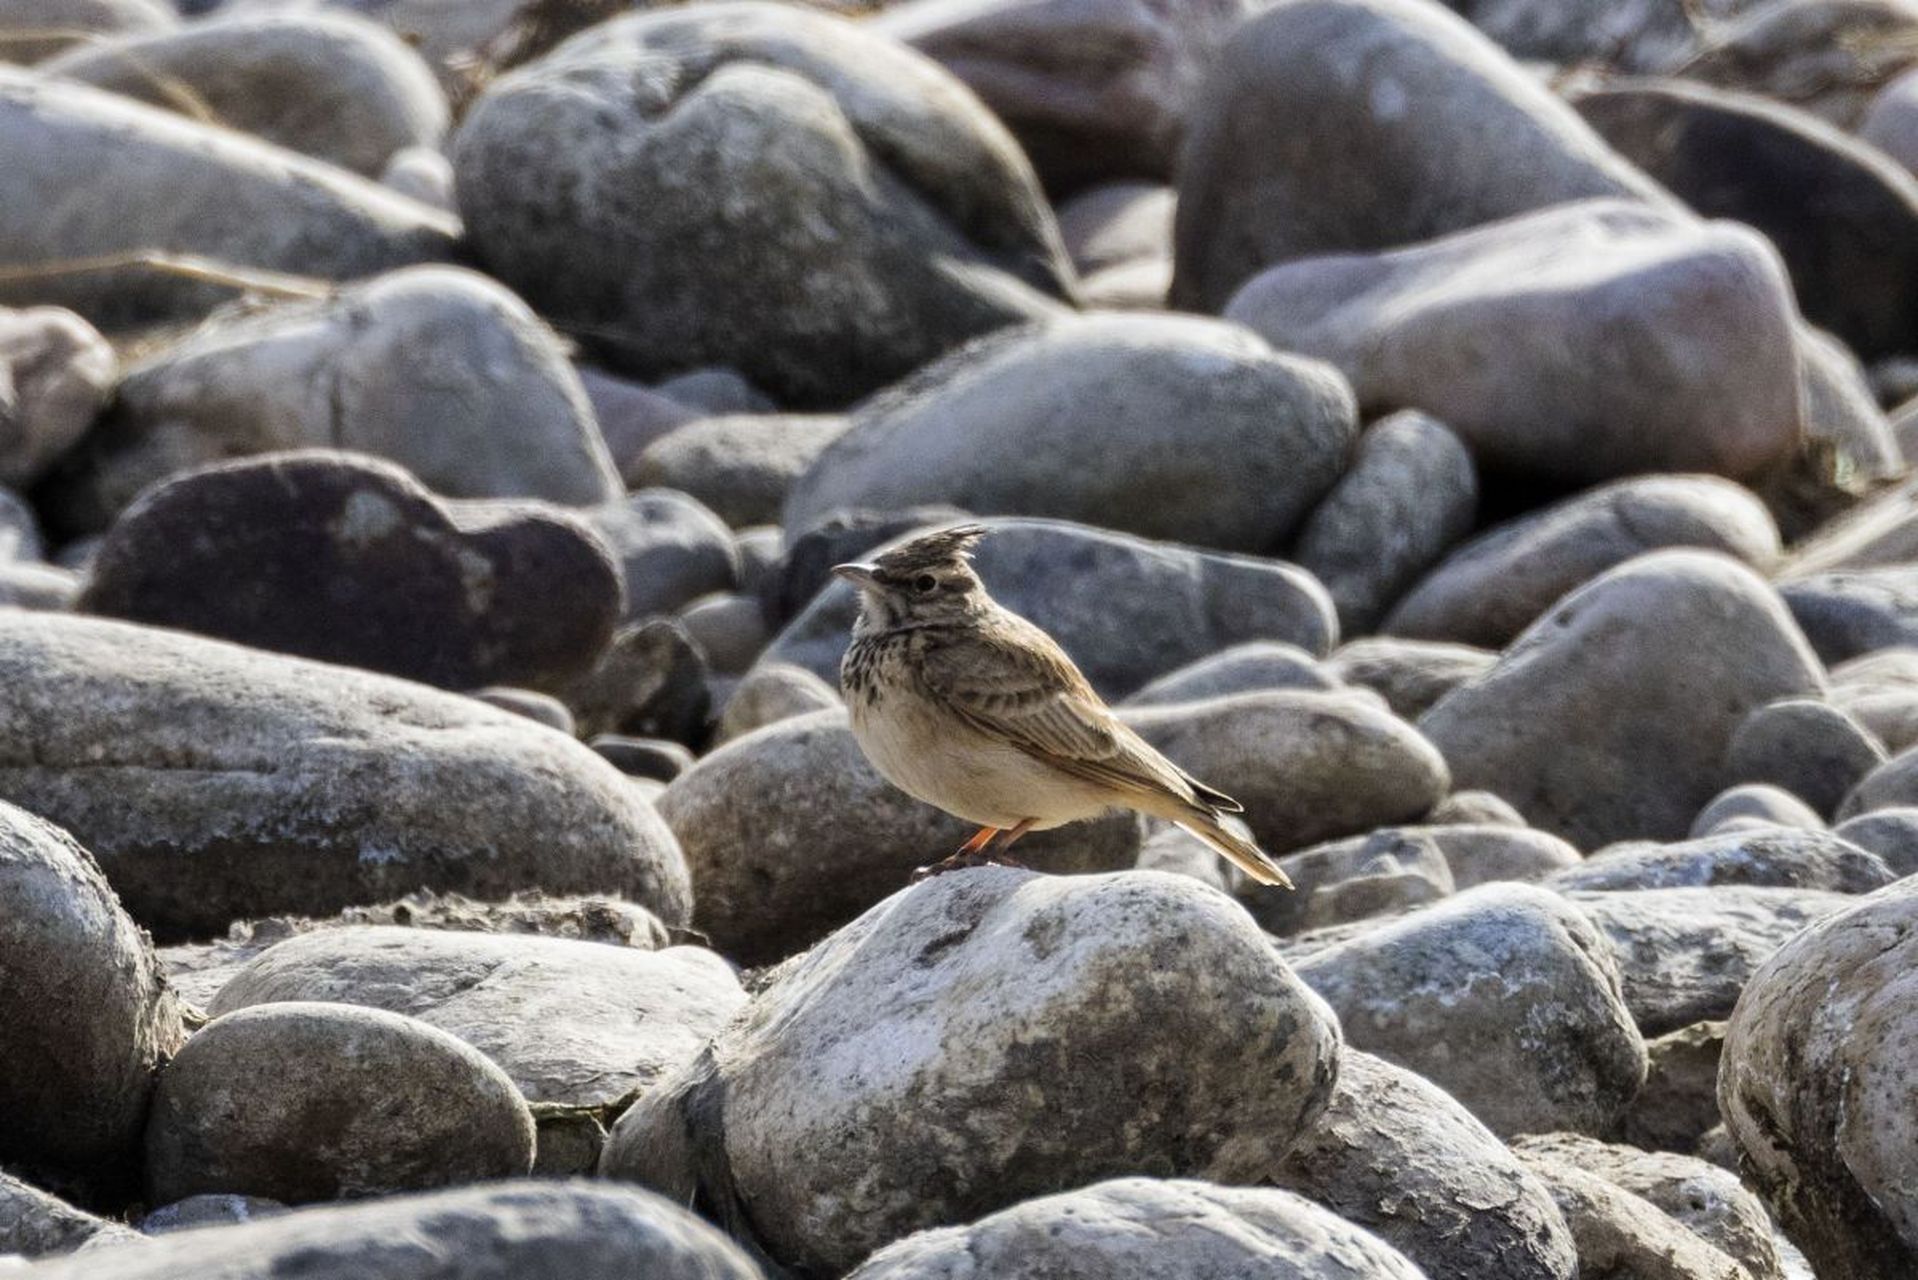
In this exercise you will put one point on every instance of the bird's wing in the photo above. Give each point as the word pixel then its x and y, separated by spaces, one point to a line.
pixel 1020 687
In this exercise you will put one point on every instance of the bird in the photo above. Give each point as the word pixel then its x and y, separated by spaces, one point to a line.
pixel 965 705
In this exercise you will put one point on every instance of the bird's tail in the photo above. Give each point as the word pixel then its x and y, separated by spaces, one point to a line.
pixel 1232 838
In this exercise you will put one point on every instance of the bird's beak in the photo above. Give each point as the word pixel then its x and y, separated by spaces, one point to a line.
pixel 860 575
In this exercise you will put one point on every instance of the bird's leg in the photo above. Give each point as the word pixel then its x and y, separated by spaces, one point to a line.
pixel 970 854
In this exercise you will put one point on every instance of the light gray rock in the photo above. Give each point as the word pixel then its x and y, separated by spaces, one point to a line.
pixel 931 226
pixel 957 1050
pixel 38 586
pixel 423 174
pixel 88 1016
pixel 156 183
pixel 1495 586
pixel 1610 716
pixel 1411 675
pixel 1127 610
pixel 36 1224
pixel 1399 1156
pixel 330 85
pixel 1384 873
pixel 729 630
pixel 1892 834
pixel 1169 427
pixel 540 708
pixel 1134 286
pixel 1477 808
pixel 1250 667
pixel 1880 691
pixel 1482 852
pixel 1891 120
pixel 447 36
pixel 771 692
pixel 1622 1234
pixel 1116 224
pixel 1706 381
pixel 1506 996
pixel 56 375
pixel 213 1210
pixel 1147 1229
pixel 1412 493
pixel 304 1102
pixel 741 466
pixel 1807 746
pixel 759 549
pixel 47 26
pixel 1402 97
pixel 216 783
pixel 1769 855
pixel 1755 804
pixel 19 530
pixel 671 549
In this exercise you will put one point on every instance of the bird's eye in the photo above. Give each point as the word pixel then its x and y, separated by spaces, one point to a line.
pixel 924 583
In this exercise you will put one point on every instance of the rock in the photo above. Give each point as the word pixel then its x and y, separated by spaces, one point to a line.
pixel 1641 36
pixel 347 559
pixel 436 369
pixel 790 832
pixel 1253 666
pixel 1706 381
pixel 818 1106
pixel 19 530
pixel 1755 805
pixel 671 550
pixel 56 375
pixel 717 390
pixel 649 683
pixel 1610 716
pixel 1495 586
pixel 35 1224
pixel 743 466
pixel 303 1102
pixel 526 1230
pixel 806 569
pixel 162 185
pixel 1808 747
pixel 1775 856
pixel 759 549
pixel 88 1016
pixel 1680 1099
pixel 1480 853
pixel 1813 1084
pixel 1880 691
pixel 1752 161
pixel 1892 834
pixel 1478 808
pixel 1826 57
pixel 1505 996
pixel 1117 224
pixel 631 415
pixel 1685 954
pixel 195 1212
pixel 423 174
pixel 1411 675
pixel 37 586
pixel 1127 610
pixel 1395 1154
pixel 1165 426
pixel 330 85
pixel 931 227
pixel 578 1024
pixel 1136 1228
pixel 1135 286
pixel 728 629
pixel 1891 121
pixel 1621 1234
pixel 653 758
pixel 1381 874
pixel 46 27
pixel 1411 493
pixel 1848 613
pixel 1849 448
pixel 1375 170
pixel 1880 532
pixel 216 783
pixel 540 708
pixel 771 692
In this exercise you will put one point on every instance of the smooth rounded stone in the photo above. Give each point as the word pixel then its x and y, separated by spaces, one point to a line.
pixel 1411 675
pixel 806 567
pixel 1170 427
pixel 1381 874
pixel 1705 1199
pixel 1479 852
pixel 540 708
pixel 1639 36
pixel 89 1016
pixel 1248 667
pixel 742 466
pixel 1879 689
pixel 758 550
pixel 1495 586
pixel 1399 1156
pixel 574 1023
pixel 330 85
pixel 545 1230
pixel 1147 1229
pixel 1892 834
pixel 1809 747
pixel 1609 717
pixel 631 416
pixel 1126 609
pixel 1177 851
pixel 1308 766
pixel 1679 1102
pixel 771 692
pixel 212 1210
pixel 1891 120
pixel 423 174
pixel 19 530
pixel 1826 57
pixel 1773 856
pixel 653 758
pixel 1815 1086
pixel 729 630
pixel 717 390
pixel 649 683
pixel 348 559
pixel 1698 317
pixel 930 227
pixel 1477 808
pixel 1116 224
pixel 1849 247
pixel 957 1050
pixel 671 549
pixel 1848 613
pixel 35 1223
pixel 1505 996
pixel 1135 286
pixel 436 369
pixel 1402 97
pixel 1618 1233
pixel 45 27
pixel 1756 802
pixel 56 375
pixel 790 832
pixel 216 783
pixel 159 184
pixel 38 586
pixel 1410 495
pixel 1685 954
pixel 306 1101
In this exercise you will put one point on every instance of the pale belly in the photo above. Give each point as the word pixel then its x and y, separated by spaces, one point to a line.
pixel 931 758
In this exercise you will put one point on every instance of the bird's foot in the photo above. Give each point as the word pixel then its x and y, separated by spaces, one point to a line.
pixel 964 859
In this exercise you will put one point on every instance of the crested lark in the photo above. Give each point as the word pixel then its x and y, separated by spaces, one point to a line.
pixel 967 706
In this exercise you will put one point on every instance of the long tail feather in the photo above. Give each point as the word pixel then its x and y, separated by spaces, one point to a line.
pixel 1232 838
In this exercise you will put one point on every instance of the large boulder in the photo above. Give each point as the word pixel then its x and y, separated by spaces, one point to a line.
pixel 1609 718
pixel 88 1015
pixel 1332 126
pixel 216 783
pixel 958 1049
pixel 638 185
pixel 438 369
pixel 1165 426
pixel 1488 330
pixel 56 375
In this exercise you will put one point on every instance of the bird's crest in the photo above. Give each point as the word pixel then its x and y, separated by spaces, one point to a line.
pixel 933 550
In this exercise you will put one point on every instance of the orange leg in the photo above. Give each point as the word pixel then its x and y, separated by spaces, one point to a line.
pixel 980 839
pixel 976 851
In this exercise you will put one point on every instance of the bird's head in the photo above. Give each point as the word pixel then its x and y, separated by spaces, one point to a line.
pixel 926 580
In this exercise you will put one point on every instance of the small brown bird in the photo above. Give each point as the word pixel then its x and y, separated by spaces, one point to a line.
pixel 963 704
